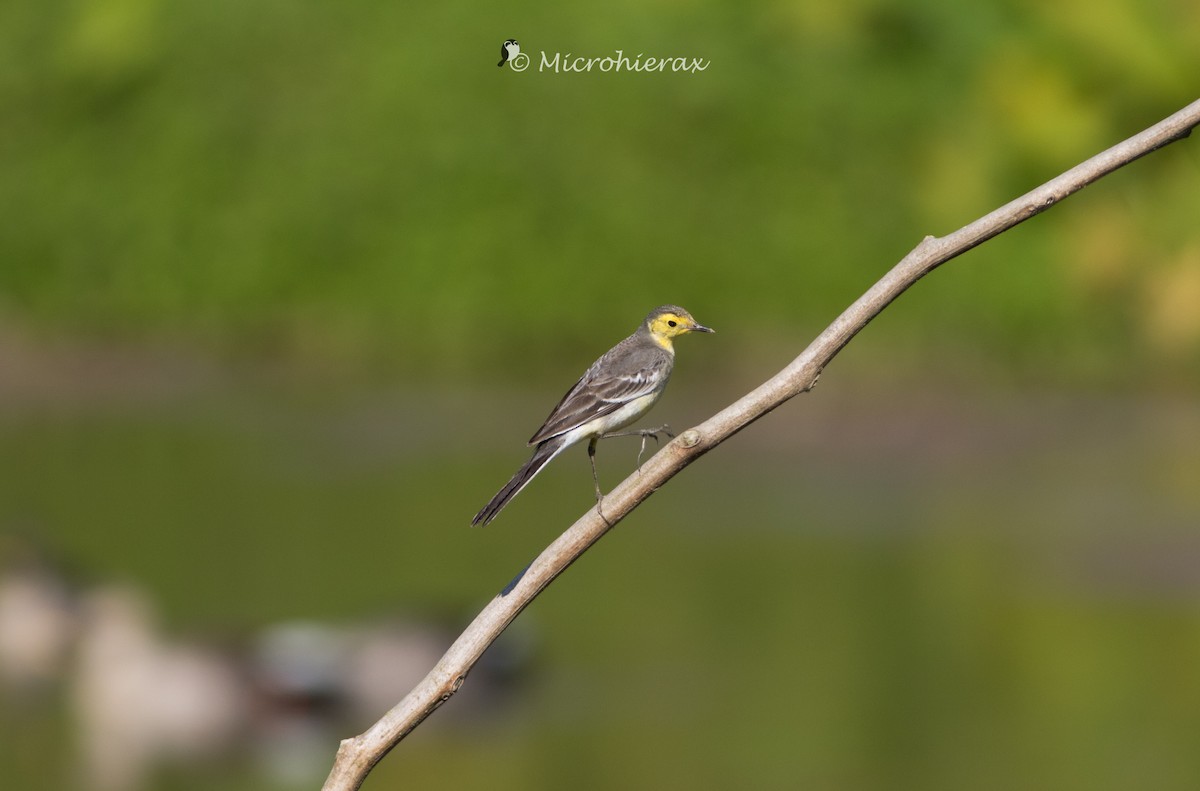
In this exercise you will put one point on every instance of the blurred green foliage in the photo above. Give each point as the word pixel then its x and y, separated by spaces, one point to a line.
pixel 359 181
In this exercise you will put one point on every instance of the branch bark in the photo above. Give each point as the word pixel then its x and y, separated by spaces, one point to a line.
pixel 358 755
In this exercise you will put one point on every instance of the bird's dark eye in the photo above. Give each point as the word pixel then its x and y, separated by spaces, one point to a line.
pixel 672 323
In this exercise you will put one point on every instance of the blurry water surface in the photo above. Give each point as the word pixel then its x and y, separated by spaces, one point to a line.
pixel 881 585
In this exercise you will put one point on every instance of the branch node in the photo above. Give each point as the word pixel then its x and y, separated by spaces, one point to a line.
pixel 689 438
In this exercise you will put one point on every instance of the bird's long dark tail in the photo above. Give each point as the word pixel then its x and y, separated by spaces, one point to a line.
pixel 541 457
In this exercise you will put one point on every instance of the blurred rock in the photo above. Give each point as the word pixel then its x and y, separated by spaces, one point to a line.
pixel 37 627
pixel 140 699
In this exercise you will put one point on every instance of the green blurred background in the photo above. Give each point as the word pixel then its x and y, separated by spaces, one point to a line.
pixel 284 287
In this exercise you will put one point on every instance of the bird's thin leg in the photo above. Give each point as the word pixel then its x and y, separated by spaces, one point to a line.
pixel 592 460
pixel 596 481
pixel 644 433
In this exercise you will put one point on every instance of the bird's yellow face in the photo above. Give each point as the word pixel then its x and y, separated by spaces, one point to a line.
pixel 667 323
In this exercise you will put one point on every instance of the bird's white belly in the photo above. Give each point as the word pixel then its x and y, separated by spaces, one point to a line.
pixel 613 421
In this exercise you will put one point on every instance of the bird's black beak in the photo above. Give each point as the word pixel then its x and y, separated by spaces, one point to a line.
pixel 701 328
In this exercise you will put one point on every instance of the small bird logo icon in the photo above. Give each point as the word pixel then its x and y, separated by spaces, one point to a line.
pixel 509 50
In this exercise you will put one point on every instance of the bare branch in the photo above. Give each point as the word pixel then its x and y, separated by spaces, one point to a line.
pixel 357 756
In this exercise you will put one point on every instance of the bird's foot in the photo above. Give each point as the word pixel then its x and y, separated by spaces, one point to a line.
pixel 600 505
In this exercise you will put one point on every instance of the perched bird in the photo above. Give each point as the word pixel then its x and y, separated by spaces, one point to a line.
pixel 509 50
pixel 618 389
